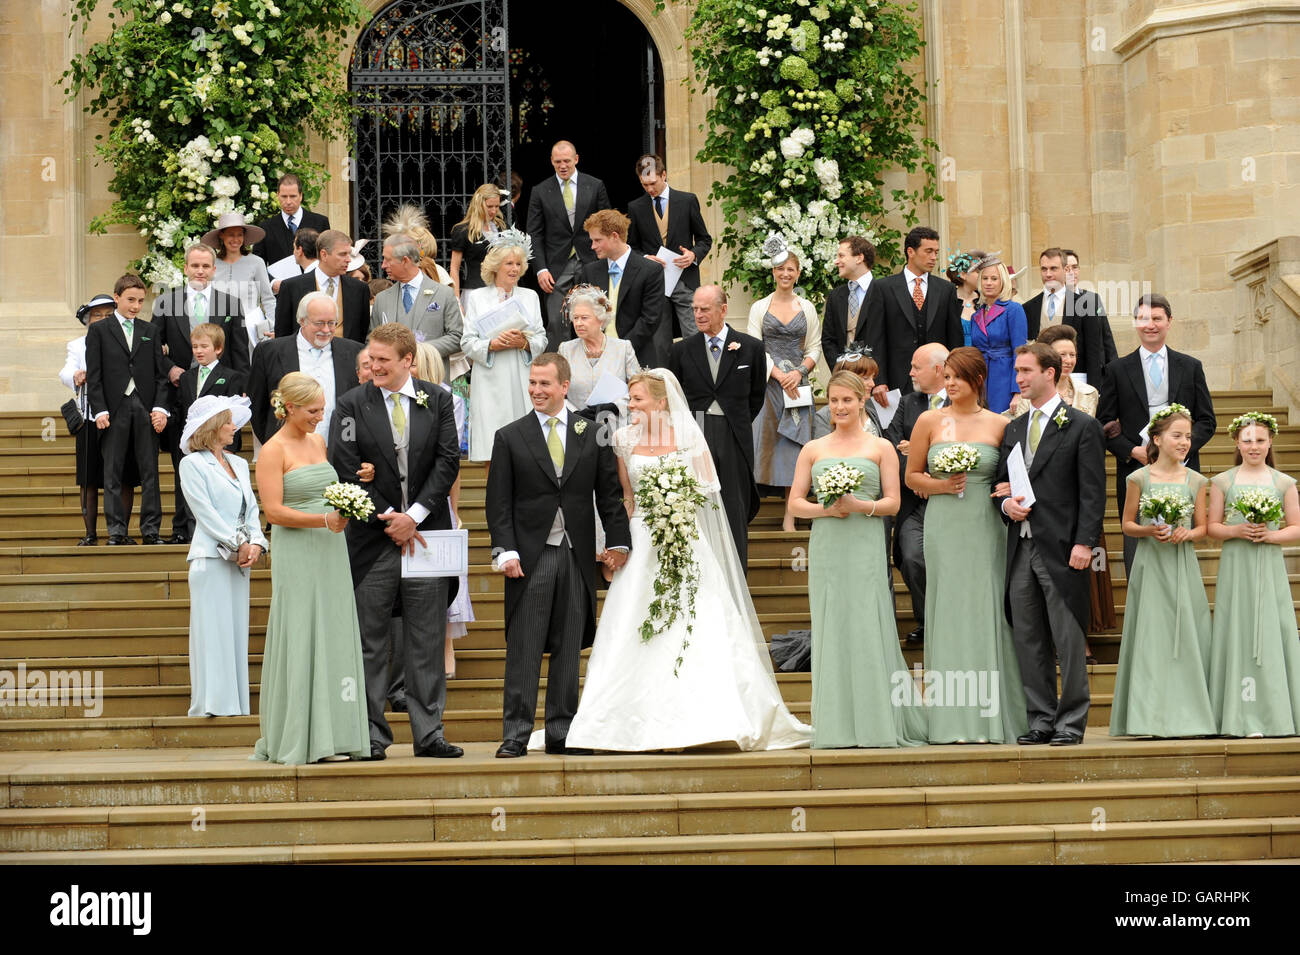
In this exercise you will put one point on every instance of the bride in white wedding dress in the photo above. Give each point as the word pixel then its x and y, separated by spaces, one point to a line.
pixel 724 689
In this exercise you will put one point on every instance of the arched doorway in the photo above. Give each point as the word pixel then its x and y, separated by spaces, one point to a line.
pixel 456 93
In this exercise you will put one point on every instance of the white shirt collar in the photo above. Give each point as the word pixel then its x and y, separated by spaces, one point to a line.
pixel 721 335
pixel 573 179
pixel 305 345
pixel 663 195
pixel 912 277
pixel 621 261
pixel 407 389
pixel 1147 355
pixel 1049 409
pixel 562 414
pixel 122 318
pixel 191 291
pixel 863 280
pixel 211 366
pixel 294 219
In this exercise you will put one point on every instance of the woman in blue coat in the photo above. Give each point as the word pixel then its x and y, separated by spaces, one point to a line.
pixel 227 542
pixel 998 328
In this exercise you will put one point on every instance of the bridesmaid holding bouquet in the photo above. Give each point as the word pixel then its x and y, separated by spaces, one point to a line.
pixel 1255 654
pixel 1161 685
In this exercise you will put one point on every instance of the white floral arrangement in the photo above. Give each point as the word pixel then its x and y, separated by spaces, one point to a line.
pixel 1259 505
pixel 1169 506
pixel 349 500
pixel 836 481
pixel 956 459
pixel 668 496
pixel 812 233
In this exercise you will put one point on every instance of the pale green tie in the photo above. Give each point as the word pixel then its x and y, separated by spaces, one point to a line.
pixel 569 207
pixel 203 376
pixel 1035 429
pixel 200 309
pixel 935 402
pixel 399 416
pixel 128 326
pixel 555 445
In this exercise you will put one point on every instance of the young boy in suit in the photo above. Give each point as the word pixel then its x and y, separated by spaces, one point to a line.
pixel 210 376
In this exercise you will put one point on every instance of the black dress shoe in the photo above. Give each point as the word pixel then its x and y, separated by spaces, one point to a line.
pixel 512 749
pixel 556 749
pixel 151 539
pixel 1035 738
pixel 577 751
pixel 916 638
pixel 1066 739
pixel 440 749
pixel 177 539
pixel 377 754
pixel 119 539
pixel 397 706
pixel 90 540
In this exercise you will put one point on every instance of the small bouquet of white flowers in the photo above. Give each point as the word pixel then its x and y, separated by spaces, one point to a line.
pixel 1165 507
pixel 836 481
pixel 667 498
pixel 956 459
pixel 349 500
pixel 1259 506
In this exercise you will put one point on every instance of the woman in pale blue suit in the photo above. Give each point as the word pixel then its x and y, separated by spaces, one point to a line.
pixel 227 542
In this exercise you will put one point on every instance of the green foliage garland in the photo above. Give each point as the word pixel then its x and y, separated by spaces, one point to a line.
pixel 815 104
pixel 209 105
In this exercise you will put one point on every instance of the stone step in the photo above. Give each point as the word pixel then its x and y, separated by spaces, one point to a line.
pixel 512 819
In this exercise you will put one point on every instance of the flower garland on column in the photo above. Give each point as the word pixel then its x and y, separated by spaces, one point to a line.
pixel 209 104
pixel 815 104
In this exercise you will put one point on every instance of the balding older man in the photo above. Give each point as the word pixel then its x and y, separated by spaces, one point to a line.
pixel 313 350
pixel 909 527
pixel 415 300
pixel 351 297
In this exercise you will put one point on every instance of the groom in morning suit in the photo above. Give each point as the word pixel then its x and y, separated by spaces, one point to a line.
pixel 545 468
pixel 723 374
pixel 406 428
pixel 1050 547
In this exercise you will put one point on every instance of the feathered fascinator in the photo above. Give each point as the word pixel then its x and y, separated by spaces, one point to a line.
pixel 410 220
pixel 513 237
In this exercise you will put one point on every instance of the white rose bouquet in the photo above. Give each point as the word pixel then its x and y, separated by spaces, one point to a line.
pixel 668 495
pixel 836 481
pixel 957 459
pixel 349 500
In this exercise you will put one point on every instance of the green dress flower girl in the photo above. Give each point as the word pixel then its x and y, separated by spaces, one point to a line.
pixel 1161 685
pixel 1255 656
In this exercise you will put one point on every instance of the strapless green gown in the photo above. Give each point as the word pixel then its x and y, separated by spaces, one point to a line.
pixel 969 651
pixel 313 697
pixel 860 682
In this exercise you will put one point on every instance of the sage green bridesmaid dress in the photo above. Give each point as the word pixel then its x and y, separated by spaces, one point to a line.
pixel 860 682
pixel 313 696
pixel 1255 653
pixel 969 651
pixel 1162 682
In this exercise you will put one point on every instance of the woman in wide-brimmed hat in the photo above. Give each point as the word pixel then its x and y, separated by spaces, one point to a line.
pixel 239 272
pixel 90 457
pixel 227 542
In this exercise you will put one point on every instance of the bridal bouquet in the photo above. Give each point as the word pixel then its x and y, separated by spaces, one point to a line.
pixel 1165 507
pixel 1259 506
pixel 667 498
pixel 836 481
pixel 956 459
pixel 349 500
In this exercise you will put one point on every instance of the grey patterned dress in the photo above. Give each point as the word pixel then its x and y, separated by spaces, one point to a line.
pixel 780 432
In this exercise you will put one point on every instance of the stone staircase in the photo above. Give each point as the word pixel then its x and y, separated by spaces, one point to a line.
pixel 141 782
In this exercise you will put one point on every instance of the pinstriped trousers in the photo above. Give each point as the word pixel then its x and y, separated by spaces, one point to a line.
pixel 549 619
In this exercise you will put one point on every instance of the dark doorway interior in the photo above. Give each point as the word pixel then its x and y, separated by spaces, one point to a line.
pixel 594 78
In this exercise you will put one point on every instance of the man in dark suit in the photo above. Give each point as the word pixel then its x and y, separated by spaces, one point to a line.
pixel 856 305
pixel 723 374
pixel 671 219
pixel 209 376
pixel 126 381
pixel 926 373
pixel 314 350
pixel 1059 304
pixel 918 308
pixel 545 468
pixel 1089 303
pixel 351 296
pixel 557 208
pixel 634 285
pixel 176 313
pixel 280 229
pixel 1138 385
pixel 406 428
pixel 1050 547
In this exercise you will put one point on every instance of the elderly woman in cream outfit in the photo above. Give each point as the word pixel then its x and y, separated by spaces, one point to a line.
pixel 791 335
pixel 227 542
pixel 594 353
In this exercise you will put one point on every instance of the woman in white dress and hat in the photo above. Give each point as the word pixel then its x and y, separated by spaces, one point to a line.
pixel 242 274
pixel 227 542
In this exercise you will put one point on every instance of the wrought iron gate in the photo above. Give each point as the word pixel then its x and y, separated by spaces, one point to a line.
pixel 432 78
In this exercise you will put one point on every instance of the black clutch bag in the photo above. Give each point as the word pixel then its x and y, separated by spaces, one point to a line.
pixel 72 415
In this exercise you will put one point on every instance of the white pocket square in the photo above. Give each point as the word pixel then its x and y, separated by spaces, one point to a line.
pixel 741 367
